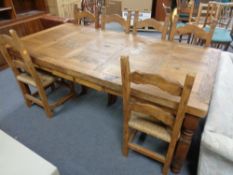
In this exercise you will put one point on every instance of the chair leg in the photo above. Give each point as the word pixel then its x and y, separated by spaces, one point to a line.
pixel 180 39
pixel 45 103
pixel 25 90
pixel 169 156
pixel 125 149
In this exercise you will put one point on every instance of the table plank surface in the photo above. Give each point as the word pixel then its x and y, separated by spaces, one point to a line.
pixel 92 55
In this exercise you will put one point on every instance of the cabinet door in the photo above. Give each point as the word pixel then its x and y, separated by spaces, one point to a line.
pixel 159 10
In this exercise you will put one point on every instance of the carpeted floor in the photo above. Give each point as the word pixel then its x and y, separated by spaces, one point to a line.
pixel 83 138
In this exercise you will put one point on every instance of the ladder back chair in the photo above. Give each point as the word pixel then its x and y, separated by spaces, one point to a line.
pixel 80 16
pixel 225 15
pixel 207 12
pixel 115 18
pixel 158 26
pixel 213 11
pixel 222 34
pixel 185 10
pixel 201 13
pixel 152 119
pixel 196 34
pixel 125 24
pixel 27 75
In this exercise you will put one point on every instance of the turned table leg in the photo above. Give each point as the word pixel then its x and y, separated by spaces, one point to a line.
pixel 189 126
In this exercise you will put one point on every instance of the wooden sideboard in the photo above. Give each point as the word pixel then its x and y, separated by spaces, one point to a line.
pixel 26 17
pixel 29 26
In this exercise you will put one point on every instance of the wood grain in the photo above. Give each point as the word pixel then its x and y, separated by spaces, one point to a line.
pixel 146 124
pixel 157 25
pixel 92 57
pixel 25 72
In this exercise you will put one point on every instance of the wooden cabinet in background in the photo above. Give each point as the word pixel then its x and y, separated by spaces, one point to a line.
pixel 7 10
pixel 159 12
pixel 22 15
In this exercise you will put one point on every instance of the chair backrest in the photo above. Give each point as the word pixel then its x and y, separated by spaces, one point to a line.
pixel 65 7
pixel 186 7
pixel 173 88
pixel 115 18
pixel 207 12
pixel 17 56
pixel 225 15
pixel 81 15
pixel 202 13
pixel 157 25
pixel 213 11
pixel 198 35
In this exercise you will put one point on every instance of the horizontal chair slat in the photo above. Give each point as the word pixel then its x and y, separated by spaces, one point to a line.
pixel 150 23
pixel 147 152
pixel 171 87
pixel 154 112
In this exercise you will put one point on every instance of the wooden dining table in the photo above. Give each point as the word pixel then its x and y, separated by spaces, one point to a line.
pixel 91 58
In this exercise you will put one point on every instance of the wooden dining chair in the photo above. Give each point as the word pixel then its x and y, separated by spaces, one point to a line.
pixel 207 12
pixel 27 75
pixel 80 16
pixel 222 33
pixel 185 10
pixel 196 34
pixel 151 23
pixel 154 120
pixel 125 24
pixel 115 18
pixel 213 12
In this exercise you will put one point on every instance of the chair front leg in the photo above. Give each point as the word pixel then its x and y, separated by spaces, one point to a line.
pixel 126 134
pixel 44 100
pixel 25 90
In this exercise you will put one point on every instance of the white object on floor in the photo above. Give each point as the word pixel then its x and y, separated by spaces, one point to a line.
pixel 17 159
pixel 216 152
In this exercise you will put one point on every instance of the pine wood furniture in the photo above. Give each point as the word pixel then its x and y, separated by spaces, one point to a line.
pixel 26 74
pixel 92 58
pixel 213 12
pixel 125 24
pixel 154 120
pixel 197 35
pixel 29 26
pixel 202 14
pixel 11 10
pixel 115 18
pixel 153 23
pixel 63 8
pixel 222 34
pixel 20 15
pixel 185 10
pixel 83 15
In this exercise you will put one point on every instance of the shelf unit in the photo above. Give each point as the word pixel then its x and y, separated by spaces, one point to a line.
pixel 11 10
pixel 25 16
pixel 7 10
